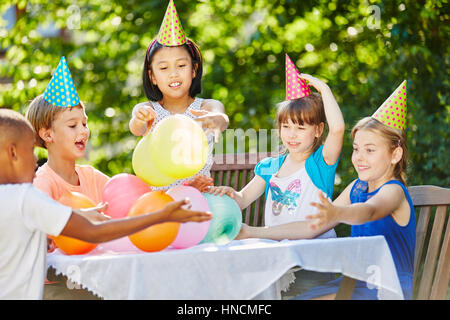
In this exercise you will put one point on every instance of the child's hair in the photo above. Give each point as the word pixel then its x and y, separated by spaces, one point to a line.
pixel 151 91
pixel 307 110
pixel 13 125
pixel 41 114
pixel 394 138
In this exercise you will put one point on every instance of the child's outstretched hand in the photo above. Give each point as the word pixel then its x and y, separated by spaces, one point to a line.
pixel 200 182
pixel 315 82
pixel 95 214
pixel 221 190
pixel 214 122
pixel 326 213
pixel 179 211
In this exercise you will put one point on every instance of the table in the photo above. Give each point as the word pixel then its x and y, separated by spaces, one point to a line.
pixel 242 269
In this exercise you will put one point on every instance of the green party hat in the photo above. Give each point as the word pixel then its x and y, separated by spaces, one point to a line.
pixel 171 32
pixel 393 111
pixel 61 91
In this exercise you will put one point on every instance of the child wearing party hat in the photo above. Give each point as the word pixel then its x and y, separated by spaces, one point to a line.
pixel 60 122
pixel 172 76
pixel 378 202
pixel 291 181
pixel 28 214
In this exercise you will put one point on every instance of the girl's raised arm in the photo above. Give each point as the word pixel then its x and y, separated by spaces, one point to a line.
pixel 333 143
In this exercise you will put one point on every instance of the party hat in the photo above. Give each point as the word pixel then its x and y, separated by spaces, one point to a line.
pixel 171 32
pixel 61 91
pixel 393 111
pixel 295 87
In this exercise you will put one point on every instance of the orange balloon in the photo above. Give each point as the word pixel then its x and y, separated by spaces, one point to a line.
pixel 69 245
pixel 159 236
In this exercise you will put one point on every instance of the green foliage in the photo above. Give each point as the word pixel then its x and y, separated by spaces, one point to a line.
pixel 361 57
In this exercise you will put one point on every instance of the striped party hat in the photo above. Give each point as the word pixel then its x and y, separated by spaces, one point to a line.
pixel 295 87
pixel 171 32
pixel 393 111
pixel 61 91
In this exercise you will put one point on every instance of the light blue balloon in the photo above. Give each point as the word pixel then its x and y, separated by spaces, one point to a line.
pixel 226 221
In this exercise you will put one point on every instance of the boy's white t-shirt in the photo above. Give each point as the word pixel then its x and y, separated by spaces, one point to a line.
pixel 27 215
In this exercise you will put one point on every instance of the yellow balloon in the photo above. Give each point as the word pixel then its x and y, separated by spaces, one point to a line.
pixel 178 147
pixel 143 165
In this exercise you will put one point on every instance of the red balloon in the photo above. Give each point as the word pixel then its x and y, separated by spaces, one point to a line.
pixel 121 192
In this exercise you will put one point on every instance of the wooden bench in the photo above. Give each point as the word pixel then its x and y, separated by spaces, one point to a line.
pixel 432 255
pixel 236 170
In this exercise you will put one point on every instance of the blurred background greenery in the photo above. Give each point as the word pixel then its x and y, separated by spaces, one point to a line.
pixel 362 49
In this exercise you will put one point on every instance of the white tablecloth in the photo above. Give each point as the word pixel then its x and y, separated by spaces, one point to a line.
pixel 242 269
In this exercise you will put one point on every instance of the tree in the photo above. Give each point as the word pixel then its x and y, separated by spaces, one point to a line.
pixel 363 49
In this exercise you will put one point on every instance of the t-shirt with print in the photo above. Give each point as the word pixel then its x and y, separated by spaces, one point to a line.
pixel 288 198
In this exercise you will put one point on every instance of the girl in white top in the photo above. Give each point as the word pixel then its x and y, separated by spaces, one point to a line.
pixel 172 78
pixel 292 181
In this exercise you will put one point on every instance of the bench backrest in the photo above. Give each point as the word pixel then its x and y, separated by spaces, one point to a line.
pixel 432 255
pixel 236 170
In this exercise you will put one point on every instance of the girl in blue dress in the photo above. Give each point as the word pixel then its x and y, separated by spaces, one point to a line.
pixel 377 203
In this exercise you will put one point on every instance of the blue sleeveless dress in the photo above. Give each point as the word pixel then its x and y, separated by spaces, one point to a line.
pixel 400 239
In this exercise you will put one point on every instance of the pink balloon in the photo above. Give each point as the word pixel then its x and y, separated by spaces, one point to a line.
pixel 190 233
pixel 121 245
pixel 121 192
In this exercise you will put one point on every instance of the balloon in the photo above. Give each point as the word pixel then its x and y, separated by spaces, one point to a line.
pixel 121 192
pixel 190 233
pixel 118 245
pixel 178 147
pixel 226 221
pixel 69 245
pixel 143 165
pixel 156 237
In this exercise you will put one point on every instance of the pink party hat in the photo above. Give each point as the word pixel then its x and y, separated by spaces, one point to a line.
pixel 393 111
pixel 171 32
pixel 295 87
